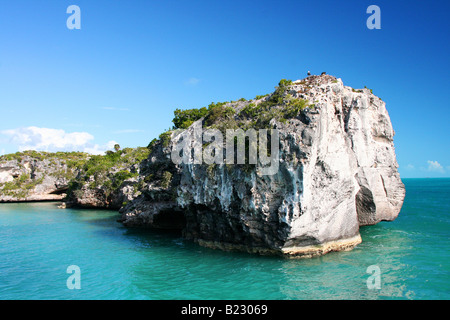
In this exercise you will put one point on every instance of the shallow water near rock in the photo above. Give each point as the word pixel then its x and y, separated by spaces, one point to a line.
pixel 38 242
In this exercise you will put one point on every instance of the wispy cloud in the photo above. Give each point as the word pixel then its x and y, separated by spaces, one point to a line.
pixel 192 81
pixel 435 166
pixel 115 109
pixel 99 149
pixel 410 167
pixel 48 139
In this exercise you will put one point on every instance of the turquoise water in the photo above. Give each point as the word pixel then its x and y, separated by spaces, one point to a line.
pixel 39 241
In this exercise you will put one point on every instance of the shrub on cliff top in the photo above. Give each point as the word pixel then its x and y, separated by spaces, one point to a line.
pixel 218 112
pixel 165 138
pixel 222 117
pixel 284 83
pixel 214 113
pixel 184 118
pixel 98 166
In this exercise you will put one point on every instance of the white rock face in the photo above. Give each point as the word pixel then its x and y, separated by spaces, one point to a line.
pixel 350 176
pixel 32 179
pixel 7 172
pixel 337 171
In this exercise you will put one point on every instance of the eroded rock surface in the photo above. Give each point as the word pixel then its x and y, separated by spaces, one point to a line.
pixel 35 176
pixel 337 171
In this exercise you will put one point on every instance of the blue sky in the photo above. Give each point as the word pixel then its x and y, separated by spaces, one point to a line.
pixel 120 77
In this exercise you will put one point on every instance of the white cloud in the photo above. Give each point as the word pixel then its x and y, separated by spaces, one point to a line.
pixel 47 139
pixel 410 167
pixel 435 166
pixel 192 81
pixel 100 149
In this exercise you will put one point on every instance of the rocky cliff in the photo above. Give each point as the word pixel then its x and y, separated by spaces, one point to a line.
pixel 335 171
pixel 107 181
pixel 37 176
pixel 78 179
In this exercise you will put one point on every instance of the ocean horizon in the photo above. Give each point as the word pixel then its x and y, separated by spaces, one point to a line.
pixel 39 242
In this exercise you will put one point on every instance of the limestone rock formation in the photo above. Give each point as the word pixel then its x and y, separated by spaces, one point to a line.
pixel 337 171
pixel 37 176
pixel 108 181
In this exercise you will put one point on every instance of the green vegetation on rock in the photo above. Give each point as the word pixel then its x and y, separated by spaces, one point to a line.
pixel 42 155
pixel 20 187
pixel 166 179
pixel 184 118
pixel 165 138
pixel 100 167
pixel 256 114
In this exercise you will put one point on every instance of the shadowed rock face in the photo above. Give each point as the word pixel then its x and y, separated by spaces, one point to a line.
pixel 337 171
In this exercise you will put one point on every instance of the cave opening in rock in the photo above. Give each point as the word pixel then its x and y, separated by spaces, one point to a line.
pixel 59 191
pixel 173 220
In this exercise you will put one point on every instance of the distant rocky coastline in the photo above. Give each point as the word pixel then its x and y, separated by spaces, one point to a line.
pixel 37 176
pixel 336 171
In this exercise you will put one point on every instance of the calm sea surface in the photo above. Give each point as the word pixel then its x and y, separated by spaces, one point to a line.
pixel 39 241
